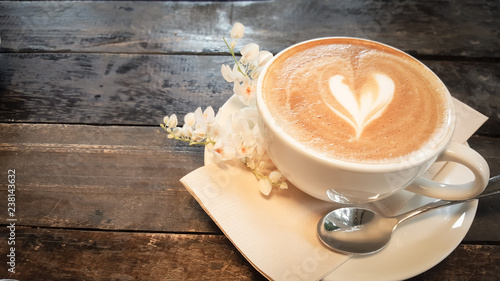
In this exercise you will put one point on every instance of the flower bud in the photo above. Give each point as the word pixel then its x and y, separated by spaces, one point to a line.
pixel 172 121
pixel 283 185
pixel 237 31
pixel 265 186
pixel 274 176
pixel 165 120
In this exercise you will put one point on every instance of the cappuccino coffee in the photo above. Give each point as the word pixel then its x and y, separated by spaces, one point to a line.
pixel 356 100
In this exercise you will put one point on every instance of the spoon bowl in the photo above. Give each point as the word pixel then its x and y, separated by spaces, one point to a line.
pixel 356 230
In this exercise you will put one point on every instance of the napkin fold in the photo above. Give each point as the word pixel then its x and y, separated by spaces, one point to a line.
pixel 277 233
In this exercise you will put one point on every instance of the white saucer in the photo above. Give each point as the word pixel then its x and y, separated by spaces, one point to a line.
pixel 417 245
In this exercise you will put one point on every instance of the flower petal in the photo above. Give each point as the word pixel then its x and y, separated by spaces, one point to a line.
pixel 274 176
pixel 283 185
pixel 189 119
pixel 187 131
pixel 228 153
pixel 165 120
pixel 172 121
pixel 250 52
pixel 265 186
pixel 238 89
pixel 176 131
pixel 264 57
pixel 238 76
pixel 200 120
pixel 227 73
pixel 209 114
pixel 199 134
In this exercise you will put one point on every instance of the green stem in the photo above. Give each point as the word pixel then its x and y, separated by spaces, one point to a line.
pixel 234 57
pixel 260 176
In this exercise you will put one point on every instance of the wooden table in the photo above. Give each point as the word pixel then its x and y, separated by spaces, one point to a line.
pixel 84 85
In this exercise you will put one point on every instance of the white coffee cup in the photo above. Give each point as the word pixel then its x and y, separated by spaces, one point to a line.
pixel 349 182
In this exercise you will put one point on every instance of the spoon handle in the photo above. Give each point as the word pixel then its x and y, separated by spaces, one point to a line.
pixel 493 182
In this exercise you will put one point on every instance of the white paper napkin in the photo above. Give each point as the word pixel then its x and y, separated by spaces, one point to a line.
pixel 277 234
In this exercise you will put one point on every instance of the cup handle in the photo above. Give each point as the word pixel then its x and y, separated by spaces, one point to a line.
pixel 460 154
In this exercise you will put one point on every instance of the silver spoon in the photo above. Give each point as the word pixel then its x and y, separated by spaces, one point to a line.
pixel 360 231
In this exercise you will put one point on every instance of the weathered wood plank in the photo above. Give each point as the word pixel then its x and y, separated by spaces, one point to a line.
pixel 127 178
pixel 53 254
pixel 475 84
pixel 107 89
pixel 101 177
pixel 467 262
pixel 140 89
pixel 445 28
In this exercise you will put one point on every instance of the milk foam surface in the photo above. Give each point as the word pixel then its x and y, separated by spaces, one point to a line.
pixel 359 102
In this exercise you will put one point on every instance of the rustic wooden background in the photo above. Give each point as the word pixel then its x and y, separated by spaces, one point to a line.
pixel 84 85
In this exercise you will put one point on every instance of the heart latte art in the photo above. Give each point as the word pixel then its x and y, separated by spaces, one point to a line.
pixel 373 100
pixel 355 100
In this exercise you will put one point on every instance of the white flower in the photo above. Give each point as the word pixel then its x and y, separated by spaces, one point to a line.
pixel 209 115
pixel 231 75
pixel 227 73
pixel 165 120
pixel 187 131
pixel 283 185
pixel 252 115
pixel 200 120
pixel 261 166
pixel 245 91
pixel 274 177
pixel 237 31
pixel 204 119
pixel 264 57
pixel 171 121
pixel 222 151
pixel 265 186
pixel 245 148
pixel 199 134
pixel 256 73
pixel 189 119
pixel 251 163
pixel 249 52
pixel 215 130
pixel 239 136
pixel 176 132
pixel 240 124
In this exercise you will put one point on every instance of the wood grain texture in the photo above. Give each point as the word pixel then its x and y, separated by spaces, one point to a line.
pixel 475 84
pixel 52 254
pixel 444 28
pixel 84 84
pixel 127 178
pixel 101 177
pixel 58 254
pixel 140 89
pixel 466 263
pixel 108 89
